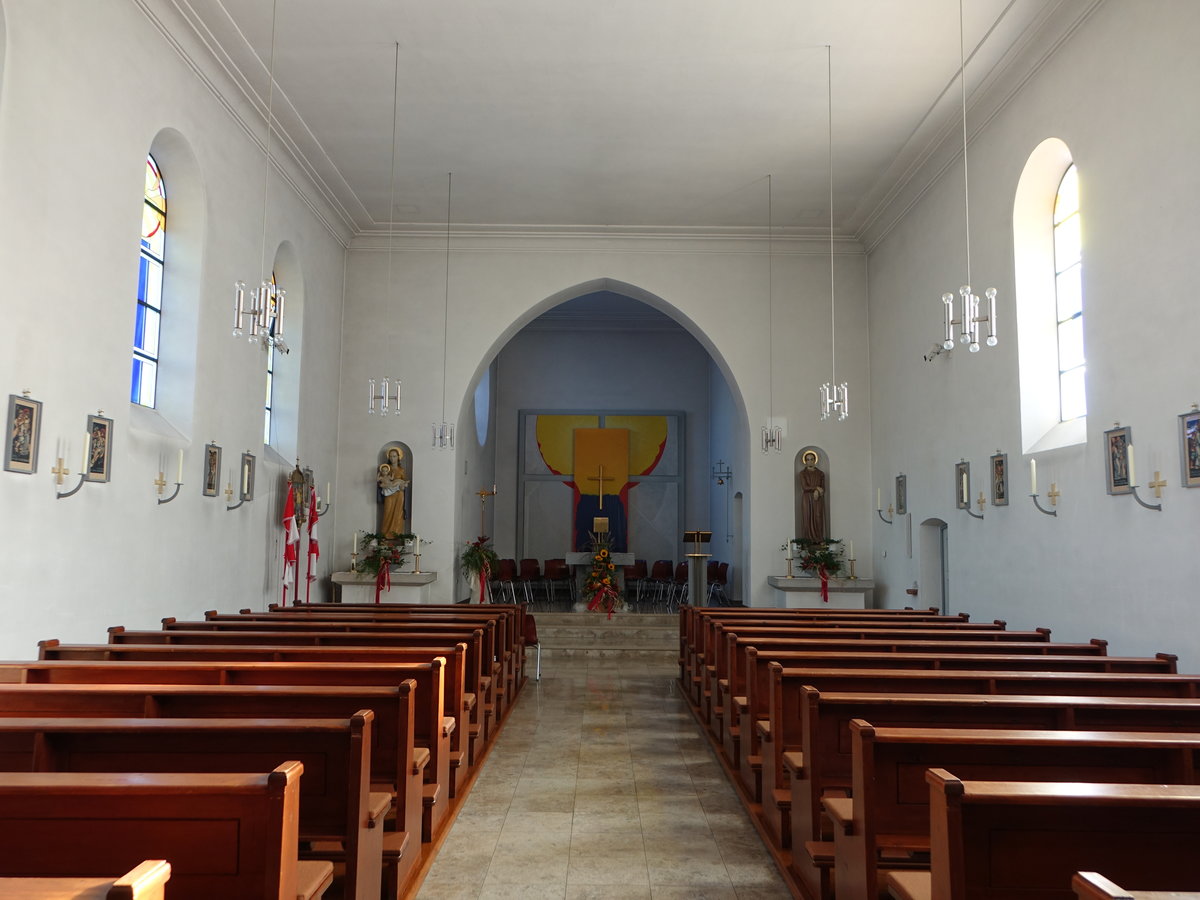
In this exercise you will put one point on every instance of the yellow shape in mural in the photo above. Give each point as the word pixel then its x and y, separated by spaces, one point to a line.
pixel 601 461
pixel 556 440
pixel 647 440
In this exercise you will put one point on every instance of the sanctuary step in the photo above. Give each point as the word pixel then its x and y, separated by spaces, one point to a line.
pixel 637 636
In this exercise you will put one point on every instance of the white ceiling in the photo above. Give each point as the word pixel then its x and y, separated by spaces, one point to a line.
pixel 632 113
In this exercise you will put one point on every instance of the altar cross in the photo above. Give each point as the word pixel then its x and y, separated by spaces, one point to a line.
pixel 1054 493
pixel 601 478
pixel 1158 484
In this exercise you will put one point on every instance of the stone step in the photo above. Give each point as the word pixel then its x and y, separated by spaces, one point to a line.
pixel 631 636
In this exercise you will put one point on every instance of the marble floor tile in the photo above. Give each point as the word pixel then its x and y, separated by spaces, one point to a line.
pixel 602 787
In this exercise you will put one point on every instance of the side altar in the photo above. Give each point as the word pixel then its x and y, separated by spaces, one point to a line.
pixel 407 587
pixel 804 592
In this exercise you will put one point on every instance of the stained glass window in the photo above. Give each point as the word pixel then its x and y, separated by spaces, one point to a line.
pixel 1068 284
pixel 147 323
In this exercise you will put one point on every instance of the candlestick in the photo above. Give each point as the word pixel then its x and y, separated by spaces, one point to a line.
pixel 1033 476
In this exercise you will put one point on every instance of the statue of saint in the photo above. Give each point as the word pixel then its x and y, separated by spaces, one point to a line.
pixel 393 483
pixel 812 502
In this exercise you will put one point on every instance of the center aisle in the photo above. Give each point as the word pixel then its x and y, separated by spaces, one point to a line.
pixel 601 786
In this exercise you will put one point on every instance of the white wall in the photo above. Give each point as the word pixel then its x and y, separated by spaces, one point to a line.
pixel 87 88
pixel 716 288
pixel 1115 92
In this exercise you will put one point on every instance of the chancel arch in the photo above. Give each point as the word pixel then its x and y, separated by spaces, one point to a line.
pixel 628 361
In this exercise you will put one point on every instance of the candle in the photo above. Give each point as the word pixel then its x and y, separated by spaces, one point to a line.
pixel 179 472
pixel 1033 476
pixel 418 539
pixel 966 491
pixel 493 488
pixel 1129 457
pixel 356 543
pixel 788 554
pixel 851 553
pixel 328 492
pixel 879 498
pixel 245 480
pixel 87 442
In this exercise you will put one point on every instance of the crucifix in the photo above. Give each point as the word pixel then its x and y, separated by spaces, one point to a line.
pixel 1158 484
pixel 1054 493
pixel 160 483
pixel 601 478
pixel 483 495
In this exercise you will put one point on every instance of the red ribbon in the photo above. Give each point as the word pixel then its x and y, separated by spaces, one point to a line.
pixel 485 575
pixel 383 580
pixel 603 593
pixel 824 583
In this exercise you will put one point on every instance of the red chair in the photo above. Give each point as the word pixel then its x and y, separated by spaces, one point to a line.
pixel 557 572
pixel 717 586
pixel 678 594
pixel 530 576
pixel 660 579
pixel 505 579
pixel 635 577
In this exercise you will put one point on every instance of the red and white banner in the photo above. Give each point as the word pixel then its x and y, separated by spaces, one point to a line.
pixel 291 540
pixel 314 547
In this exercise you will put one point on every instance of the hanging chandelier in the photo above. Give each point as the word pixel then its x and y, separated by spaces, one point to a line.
pixel 969 319
pixel 835 396
pixel 263 305
pixel 771 437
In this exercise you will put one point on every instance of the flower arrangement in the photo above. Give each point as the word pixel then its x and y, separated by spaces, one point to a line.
pixel 820 558
pixel 479 560
pixel 380 550
pixel 601 582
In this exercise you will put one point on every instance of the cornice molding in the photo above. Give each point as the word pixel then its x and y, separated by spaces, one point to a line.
pixel 936 146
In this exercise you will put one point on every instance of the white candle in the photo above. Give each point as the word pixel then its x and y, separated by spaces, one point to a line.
pixel 1129 457
pixel 418 551
pixel 356 543
pixel 788 554
pixel 493 488
pixel 851 553
pixel 245 480
pixel 1033 476
pixel 879 498
pixel 328 492
pixel 87 442
pixel 179 473
pixel 965 491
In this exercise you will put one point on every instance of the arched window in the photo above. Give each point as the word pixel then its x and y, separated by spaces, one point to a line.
pixel 147 324
pixel 269 347
pixel 1068 293
pixel 1047 252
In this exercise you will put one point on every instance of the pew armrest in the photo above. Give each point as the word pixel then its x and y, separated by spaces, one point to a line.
pixel 793 761
pixel 379 803
pixel 420 759
pixel 448 725
pixel 313 878
pixel 763 728
pixel 741 704
pixel 841 811
pixel 910 885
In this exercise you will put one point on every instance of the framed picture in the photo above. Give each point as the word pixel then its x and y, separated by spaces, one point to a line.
pixel 962 485
pixel 1116 443
pixel 901 495
pixel 99 449
pixel 1000 479
pixel 1189 447
pixel 247 476
pixel 24 429
pixel 210 478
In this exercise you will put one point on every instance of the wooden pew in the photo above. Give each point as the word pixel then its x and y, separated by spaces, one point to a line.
pixel 739 714
pixel 144 882
pixel 485 716
pixel 711 638
pixel 395 761
pixel 823 765
pixel 219 670
pixel 509 640
pixel 226 835
pixel 885 822
pixel 497 666
pixel 1094 886
pixel 1027 839
pixel 336 803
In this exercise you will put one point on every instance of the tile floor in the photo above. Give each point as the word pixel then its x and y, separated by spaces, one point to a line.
pixel 601 786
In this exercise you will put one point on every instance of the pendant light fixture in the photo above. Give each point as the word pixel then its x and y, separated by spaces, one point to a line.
pixel 772 434
pixel 968 320
pixel 835 397
pixel 263 304
pixel 386 392
pixel 443 434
